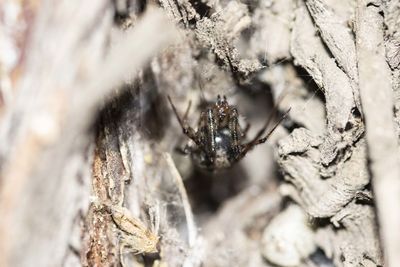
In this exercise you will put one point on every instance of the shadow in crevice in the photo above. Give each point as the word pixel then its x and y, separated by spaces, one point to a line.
pixel 154 109
pixel 309 83
pixel 201 8
pixel 209 190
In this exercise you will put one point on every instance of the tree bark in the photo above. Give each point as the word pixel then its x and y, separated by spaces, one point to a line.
pixel 91 173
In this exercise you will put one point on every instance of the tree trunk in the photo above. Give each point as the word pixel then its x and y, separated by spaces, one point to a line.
pixel 91 162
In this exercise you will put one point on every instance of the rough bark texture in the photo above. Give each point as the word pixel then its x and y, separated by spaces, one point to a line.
pixel 91 173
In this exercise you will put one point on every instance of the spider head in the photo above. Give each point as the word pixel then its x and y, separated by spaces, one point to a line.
pixel 221 107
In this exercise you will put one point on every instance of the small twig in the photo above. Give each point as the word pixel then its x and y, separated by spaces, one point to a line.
pixel 191 225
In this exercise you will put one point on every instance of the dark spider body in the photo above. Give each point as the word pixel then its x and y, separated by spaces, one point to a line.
pixel 218 141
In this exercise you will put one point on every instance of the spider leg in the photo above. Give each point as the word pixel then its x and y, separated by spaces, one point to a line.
pixel 187 130
pixel 187 111
pixel 269 119
pixel 203 134
pixel 234 128
pixel 256 141
pixel 211 129
pixel 203 101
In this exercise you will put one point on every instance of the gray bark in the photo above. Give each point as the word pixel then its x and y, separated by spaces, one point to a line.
pixel 90 173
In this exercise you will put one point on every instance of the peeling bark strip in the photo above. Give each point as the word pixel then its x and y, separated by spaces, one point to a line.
pixel 309 52
pixel 101 242
pixel 377 101
pixel 336 34
pixel 338 37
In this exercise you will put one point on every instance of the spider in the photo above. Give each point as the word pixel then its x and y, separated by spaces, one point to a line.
pixel 219 139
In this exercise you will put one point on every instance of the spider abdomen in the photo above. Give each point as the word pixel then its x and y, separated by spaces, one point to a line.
pixel 223 139
pixel 221 152
pixel 224 152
